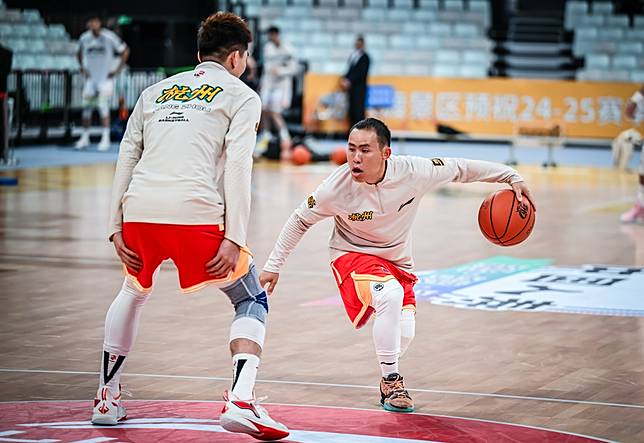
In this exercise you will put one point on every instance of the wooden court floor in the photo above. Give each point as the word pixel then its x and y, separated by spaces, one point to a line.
pixel 573 373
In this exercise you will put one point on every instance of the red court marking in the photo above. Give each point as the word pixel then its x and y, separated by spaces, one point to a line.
pixel 150 421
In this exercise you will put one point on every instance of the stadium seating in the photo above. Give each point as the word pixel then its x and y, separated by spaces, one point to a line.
pixel 611 48
pixel 324 35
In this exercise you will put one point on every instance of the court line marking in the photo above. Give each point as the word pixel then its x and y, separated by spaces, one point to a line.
pixel 539 428
pixel 335 385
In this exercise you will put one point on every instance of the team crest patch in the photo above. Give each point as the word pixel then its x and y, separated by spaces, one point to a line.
pixel 378 287
pixel 438 162
pixel 184 93
pixel 361 216
pixel 311 202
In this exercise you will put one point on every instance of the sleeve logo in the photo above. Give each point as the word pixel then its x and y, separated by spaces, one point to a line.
pixel 178 93
pixel 311 202
pixel 438 162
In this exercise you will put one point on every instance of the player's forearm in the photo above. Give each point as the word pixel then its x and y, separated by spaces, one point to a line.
pixel 122 60
pixel 291 234
pixel 483 171
pixel 237 196
pixel 129 155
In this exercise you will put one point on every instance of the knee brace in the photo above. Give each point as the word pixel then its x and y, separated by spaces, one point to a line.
pixel 251 307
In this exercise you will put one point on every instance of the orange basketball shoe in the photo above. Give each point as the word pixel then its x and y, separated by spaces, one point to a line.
pixel 393 395
pixel 248 417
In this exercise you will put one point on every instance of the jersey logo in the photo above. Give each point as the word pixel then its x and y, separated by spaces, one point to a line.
pixel 406 203
pixel 357 216
pixel 184 93
pixel 199 73
pixel 438 162
pixel 310 202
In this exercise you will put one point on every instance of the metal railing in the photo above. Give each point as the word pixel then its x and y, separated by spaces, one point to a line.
pixel 49 98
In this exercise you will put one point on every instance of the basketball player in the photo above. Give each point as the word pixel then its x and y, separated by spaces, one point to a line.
pixel 374 199
pixel 636 213
pixel 276 88
pixel 190 137
pixel 96 50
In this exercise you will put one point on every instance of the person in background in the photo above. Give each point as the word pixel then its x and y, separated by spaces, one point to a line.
pixel 96 50
pixel 355 82
pixel 636 213
pixel 276 90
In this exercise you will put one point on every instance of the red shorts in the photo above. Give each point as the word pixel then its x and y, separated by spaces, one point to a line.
pixel 190 247
pixel 354 273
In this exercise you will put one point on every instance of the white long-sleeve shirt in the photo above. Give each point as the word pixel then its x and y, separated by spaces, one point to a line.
pixel 98 53
pixel 186 156
pixel 377 219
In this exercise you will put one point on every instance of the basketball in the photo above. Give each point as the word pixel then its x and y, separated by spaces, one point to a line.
pixel 300 155
pixel 503 220
pixel 339 156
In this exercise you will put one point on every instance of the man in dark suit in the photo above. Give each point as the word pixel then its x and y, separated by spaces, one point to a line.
pixel 355 82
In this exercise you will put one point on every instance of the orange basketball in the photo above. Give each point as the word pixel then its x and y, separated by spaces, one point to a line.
pixel 300 155
pixel 339 156
pixel 503 220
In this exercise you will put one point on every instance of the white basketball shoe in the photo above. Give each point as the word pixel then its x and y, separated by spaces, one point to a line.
pixel 248 417
pixel 108 409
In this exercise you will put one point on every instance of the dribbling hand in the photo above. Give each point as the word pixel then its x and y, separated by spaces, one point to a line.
pixel 268 279
pixel 520 188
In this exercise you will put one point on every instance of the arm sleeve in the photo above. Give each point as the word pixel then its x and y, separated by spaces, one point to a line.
pixel 130 153
pixel 315 208
pixel 239 145
pixel 439 171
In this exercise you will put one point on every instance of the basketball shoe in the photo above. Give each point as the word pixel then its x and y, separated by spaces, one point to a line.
pixel 248 417
pixel 393 395
pixel 634 215
pixel 108 409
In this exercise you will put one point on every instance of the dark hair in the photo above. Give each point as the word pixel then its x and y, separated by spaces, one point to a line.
pixel 273 30
pixel 222 33
pixel 93 16
pixel 382 131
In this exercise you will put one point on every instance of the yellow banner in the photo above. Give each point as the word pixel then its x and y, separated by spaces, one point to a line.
pixel 479 106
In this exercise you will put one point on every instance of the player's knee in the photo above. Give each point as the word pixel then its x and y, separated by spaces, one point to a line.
pixel 133 290
pixel 103 108
pixel 387 296
pixel 87 112
pixel 247 296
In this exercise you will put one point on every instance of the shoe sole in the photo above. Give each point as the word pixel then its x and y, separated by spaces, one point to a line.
pixel 265 433
pixel 390 408
pixel 104 421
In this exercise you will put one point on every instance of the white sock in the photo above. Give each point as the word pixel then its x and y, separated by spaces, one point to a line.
pixel 105 134
pixel 407 329
pixel 640 195
pixel 121 326
pixel 244 374
pixel 388 364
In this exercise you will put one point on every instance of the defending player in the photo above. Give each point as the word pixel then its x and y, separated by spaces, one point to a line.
pixel 190 137
pixel 374 199
pixel 636 213
pixel 96 49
